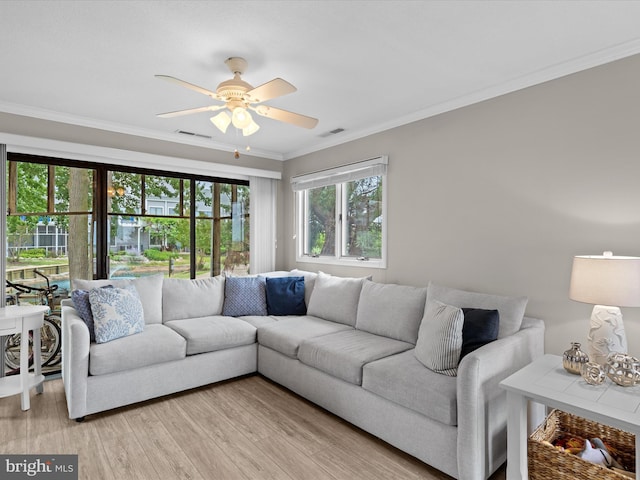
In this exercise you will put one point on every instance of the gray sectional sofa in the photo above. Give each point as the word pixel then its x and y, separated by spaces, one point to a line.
pixel 361 351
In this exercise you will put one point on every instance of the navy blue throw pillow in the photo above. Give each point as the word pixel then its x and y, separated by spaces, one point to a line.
pixel 285 296
pixel 480 327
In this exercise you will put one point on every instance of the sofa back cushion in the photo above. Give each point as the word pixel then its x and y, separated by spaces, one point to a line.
pixel 511 309
pixel 335 298
pixel 149 290
pixel 309 282
pixel 184 298
pixel 390 310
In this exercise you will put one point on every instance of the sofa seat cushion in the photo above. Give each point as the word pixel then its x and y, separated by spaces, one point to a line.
pixel 209 334
pixel 343 354
pixel 259 320
pixel 155 344
pixel 285 336
pixel 402 379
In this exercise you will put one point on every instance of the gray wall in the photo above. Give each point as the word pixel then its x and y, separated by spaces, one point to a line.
pixel 499 196
pixel 38 128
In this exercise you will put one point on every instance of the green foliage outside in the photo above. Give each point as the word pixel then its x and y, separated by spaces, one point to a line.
pixel 363 217
pixel 34 253
pixel 156 255
pixel 170 231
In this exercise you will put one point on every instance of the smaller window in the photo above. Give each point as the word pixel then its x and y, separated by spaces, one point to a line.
pixel 341 214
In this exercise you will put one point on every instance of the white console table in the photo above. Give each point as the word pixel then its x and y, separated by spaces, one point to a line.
pixel 545 381
pixel 22 319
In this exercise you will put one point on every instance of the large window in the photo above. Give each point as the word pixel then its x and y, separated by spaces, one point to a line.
pixel 71 219
pixel 341 214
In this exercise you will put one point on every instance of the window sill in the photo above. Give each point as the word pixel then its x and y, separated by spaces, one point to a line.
pixel 345 262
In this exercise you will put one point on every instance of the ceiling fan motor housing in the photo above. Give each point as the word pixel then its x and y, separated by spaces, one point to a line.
pixel 233 90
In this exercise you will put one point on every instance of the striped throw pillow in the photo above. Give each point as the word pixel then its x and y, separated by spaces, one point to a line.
pixel 440 338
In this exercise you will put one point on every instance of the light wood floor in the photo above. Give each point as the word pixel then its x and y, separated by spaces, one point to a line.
pixel 248 428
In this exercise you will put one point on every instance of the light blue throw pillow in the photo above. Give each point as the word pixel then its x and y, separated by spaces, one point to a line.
pixel 82 305
pixel 117 312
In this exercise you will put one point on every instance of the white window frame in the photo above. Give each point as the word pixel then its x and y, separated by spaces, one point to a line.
pixel 339 177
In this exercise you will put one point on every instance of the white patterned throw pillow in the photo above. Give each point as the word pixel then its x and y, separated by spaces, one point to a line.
pixel 440 338
pixel 117 312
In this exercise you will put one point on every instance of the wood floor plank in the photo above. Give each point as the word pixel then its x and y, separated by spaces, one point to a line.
pixel 237 447
pixel 339 434
pixel 244 429
pixel 299 465
pixel 165 454
pixel 44 423
pixel 190 432
pixel 127 456
pixel 297 427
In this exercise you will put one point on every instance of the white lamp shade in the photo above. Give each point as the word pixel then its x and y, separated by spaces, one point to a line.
pixel 221 121
pixel 250 129
pixel 606 280
pixel 241 118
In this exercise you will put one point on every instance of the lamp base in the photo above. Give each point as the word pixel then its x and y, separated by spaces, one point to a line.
pixel 606 333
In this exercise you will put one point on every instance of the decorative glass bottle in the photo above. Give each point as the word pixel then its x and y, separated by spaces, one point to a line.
pixel 574 358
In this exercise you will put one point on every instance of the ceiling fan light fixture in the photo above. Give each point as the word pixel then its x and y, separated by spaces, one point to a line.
pixel 222 121
pixel 250 129
pixel 241 118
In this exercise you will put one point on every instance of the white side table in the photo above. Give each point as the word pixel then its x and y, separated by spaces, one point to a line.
pixel 545 381
pixel 21 319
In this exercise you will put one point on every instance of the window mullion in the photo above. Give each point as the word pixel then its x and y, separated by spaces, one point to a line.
pixel 303 205
pixel 340 198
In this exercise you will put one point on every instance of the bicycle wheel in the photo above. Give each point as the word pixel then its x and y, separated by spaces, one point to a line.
pixel 12 354
pixel 50 344
pixel 51 340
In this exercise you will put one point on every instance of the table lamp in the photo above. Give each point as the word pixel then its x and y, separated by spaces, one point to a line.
pixel 608 282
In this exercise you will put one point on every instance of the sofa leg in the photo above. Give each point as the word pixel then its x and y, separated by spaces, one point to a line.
pixel 80 419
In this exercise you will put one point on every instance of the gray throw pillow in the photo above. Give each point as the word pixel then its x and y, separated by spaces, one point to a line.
pixel 440 338
pixel 511 309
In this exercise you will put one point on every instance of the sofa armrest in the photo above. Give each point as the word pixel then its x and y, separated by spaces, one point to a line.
pixel 482 412
pixel 66 302
pixel 75 361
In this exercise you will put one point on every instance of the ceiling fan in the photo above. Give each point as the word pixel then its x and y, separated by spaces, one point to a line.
pixel 239 97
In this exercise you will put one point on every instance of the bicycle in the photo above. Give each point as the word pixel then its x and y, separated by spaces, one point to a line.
pixel 50 333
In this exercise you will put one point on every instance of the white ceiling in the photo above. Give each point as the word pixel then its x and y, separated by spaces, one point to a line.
pixel 364 66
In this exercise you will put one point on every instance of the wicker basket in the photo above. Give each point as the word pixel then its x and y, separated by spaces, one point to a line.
pixel 547 462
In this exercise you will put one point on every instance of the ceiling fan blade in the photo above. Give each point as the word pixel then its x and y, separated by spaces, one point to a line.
pixel 285 116
pixel 178 113
pixel 273 89
pixel 191 86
